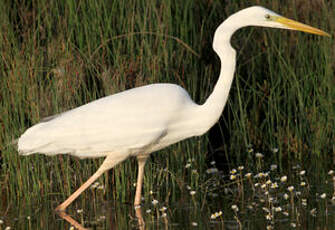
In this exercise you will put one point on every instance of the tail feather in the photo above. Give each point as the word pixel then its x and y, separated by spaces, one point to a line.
pixel 32 140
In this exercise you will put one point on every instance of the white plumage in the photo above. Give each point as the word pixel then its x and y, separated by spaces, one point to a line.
pixel 130 122
pixel 139 121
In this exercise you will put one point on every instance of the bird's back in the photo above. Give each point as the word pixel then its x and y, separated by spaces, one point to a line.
pixel 125 122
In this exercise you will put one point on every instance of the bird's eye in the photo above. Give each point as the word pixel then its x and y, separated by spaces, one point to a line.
pixel 267 16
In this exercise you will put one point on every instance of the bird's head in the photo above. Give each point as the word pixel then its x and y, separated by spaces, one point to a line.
pixel 260 16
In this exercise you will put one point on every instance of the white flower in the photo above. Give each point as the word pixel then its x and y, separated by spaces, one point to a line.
pixel 275 150
pixel 290 188
pixel 96 184
pixel 101 187
pixel 285 196
pixel 80 210
pixel 303 183
pixel 283 179
pixel 274 185
pixel 261 174
pixel 212 170
pixel 240 168
pixel 248 175
pixel 331 172
pixel 233 171
pixel 323 195
pixel 250 207
pixel 234 207
pixel 188 165
pixel 232 177
pixel 1 221
pixel 313 212
pixel 148 211
pixel 193 193
pixel 163 215
pixel 273 167
pixel 278 209
pixel 162 209
pixel 259 155
pixel 216 215
pixel 154 202
pixel 303 172
pixel 194 224
pixel 212 162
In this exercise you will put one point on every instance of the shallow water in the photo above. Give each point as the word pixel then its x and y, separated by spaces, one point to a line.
pixel 241 199
pixel 185 214
pixel 123 217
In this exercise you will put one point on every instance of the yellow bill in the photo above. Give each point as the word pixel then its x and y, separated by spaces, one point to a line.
pixel 294 25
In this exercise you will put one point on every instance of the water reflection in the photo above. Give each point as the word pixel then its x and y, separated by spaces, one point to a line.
pixel 113 223
pixel 92 214
pixel 141 223
pixel 71 221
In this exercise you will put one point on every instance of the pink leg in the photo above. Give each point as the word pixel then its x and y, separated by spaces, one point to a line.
pixel 108 163
pixel 140 220
pixel 74 195
pixel 141 159
pixel 71 221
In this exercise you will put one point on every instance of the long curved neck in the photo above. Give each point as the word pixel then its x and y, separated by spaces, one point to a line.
pixel 215 103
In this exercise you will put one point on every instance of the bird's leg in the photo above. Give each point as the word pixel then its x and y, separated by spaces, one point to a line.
pixel 140 220
pixel 71 221
pixel 74 195
pixel 141 159
pixel 108 163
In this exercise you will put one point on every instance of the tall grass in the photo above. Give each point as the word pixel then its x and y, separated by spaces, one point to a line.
pixel 58 55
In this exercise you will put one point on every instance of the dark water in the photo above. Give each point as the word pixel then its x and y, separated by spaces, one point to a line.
pixel 185 214
pixel 259 199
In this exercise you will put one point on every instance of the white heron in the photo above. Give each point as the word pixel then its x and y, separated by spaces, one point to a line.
pixel 142 120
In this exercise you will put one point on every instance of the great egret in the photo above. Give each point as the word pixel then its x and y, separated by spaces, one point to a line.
pixel 142 120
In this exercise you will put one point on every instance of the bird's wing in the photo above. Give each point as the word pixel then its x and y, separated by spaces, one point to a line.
pixel 49 118
pixel 82 134
pixel 125 122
